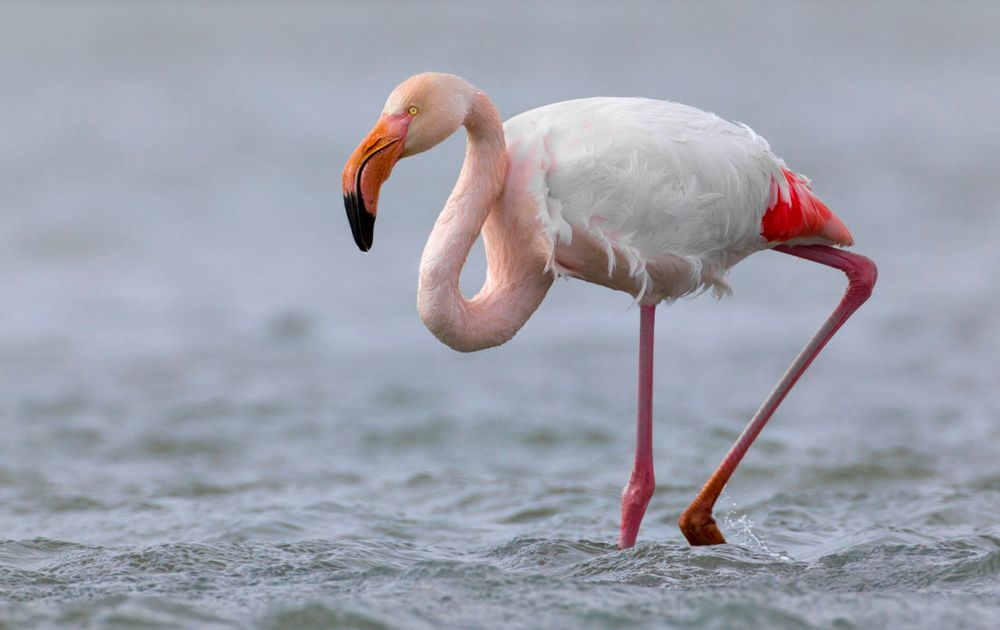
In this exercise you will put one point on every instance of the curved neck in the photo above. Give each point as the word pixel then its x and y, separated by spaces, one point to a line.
pixel 515 279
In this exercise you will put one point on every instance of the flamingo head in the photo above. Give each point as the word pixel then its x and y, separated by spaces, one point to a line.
pixel 420 113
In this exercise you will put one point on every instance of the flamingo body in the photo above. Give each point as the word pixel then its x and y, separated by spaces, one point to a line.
pixel 655 198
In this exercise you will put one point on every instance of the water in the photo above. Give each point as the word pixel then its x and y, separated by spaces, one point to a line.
pixel 217 413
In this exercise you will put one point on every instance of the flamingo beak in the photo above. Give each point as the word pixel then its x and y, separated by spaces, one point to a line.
pixel 367 168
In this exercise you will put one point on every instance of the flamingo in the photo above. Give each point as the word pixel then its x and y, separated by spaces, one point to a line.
pixel 649 197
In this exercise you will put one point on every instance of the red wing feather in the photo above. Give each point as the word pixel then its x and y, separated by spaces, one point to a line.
pixel 801 215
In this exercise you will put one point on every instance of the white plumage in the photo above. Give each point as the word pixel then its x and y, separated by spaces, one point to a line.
pixel 672 195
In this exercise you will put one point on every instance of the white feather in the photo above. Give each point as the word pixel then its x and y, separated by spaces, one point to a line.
pixel 653 184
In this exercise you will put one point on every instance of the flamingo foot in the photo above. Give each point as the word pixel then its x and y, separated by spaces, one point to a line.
pixel 699 527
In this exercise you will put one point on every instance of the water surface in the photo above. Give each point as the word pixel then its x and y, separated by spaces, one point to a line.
pixel 216 412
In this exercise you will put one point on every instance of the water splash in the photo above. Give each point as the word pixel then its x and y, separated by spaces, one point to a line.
pixel 739 528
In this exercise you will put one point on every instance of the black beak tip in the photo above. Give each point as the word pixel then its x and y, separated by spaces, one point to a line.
pixel 362 221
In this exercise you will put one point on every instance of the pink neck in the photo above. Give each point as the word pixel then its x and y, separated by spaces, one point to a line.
pixel 515 279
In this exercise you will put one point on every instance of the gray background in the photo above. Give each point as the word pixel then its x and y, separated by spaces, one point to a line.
pixel 216 411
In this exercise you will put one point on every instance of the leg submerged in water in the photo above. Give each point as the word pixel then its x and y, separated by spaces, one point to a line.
pixel 696 521
pixel 636 495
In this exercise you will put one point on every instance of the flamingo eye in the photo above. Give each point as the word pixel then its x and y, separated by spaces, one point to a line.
pixel 413 110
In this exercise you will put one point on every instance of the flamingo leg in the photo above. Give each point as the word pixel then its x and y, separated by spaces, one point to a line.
pixel 696 521
pixel 636 495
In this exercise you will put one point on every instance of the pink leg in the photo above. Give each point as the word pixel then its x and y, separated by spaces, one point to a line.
pixel 635 496
pixel 696 522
